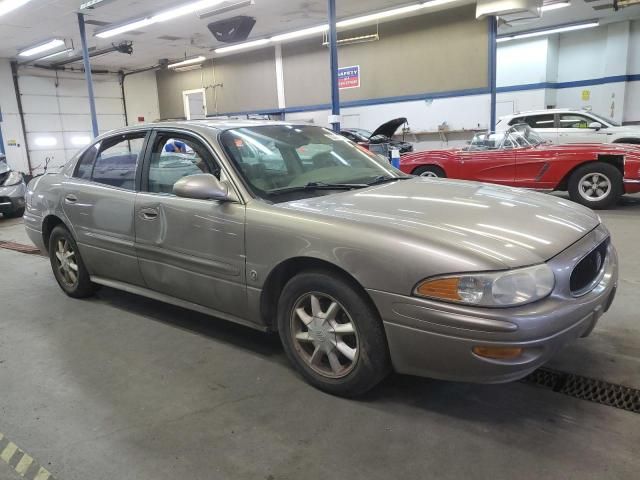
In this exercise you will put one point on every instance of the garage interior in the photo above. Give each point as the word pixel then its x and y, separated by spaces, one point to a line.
pixel 121 386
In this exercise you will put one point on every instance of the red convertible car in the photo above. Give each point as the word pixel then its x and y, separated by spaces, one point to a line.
pixel 595 175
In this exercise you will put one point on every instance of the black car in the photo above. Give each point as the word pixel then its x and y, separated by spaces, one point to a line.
pixel 382 134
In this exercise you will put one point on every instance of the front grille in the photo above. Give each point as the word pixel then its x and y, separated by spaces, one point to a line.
pixel 587 270
pixel 3 177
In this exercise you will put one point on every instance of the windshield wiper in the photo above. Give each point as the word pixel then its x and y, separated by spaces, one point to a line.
pixel 318 186
pixel 384 179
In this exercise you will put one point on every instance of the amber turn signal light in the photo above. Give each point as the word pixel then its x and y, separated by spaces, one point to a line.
pixel 498 353
pixel 443 288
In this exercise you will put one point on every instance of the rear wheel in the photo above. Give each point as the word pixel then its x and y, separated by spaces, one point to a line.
pixel 430 171
pixel 332 334
pixel 596 185
pixel 67 264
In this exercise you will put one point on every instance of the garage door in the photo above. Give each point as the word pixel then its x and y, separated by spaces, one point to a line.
pixel 57 116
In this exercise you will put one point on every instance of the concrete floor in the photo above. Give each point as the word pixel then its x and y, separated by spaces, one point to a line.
pixel 124 387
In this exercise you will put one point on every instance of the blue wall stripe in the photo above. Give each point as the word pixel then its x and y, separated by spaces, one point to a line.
pixel 447 94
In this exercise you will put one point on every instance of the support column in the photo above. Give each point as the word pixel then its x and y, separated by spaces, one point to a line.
pixel 87 74
pixel 493 73
pixel 333 48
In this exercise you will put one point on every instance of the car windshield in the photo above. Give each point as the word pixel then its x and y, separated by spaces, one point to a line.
pixel 606 120
pixel 518 136
pixel 278 159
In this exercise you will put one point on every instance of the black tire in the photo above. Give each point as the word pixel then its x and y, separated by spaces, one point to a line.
pixel 15 214
pixel 83 286
pixel 371 364
pixel 430 171
pixel 611 179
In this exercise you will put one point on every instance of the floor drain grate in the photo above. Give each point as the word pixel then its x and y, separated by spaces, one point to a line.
pixel 585 388
pixel 19 247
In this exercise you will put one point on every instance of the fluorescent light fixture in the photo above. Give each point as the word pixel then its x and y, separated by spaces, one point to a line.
pixel 554 6
pixel 127 27
pixel 80 140
pixel 378 16
pixel 7 6
pixel 52 55
pixel 548 31
pixel 51 44
pixel 226 8
pixel 188 68
pixel 188 61
pixel 170 14
pixel 300 33
pixel 186 9
pixel 45 141
pixel 242 46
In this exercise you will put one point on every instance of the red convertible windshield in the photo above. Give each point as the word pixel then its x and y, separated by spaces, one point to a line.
pixel 518 136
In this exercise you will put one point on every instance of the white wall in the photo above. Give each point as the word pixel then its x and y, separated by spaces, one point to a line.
pixel 12 133
pixel 141 95
pixel 522 62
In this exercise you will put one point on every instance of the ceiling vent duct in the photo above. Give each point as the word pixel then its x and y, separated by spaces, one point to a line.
pixel 509 11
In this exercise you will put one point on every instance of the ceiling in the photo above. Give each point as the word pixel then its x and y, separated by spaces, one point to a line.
pixel 40 20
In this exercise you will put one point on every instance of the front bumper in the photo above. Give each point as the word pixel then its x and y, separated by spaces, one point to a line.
pixel 12 198
pixel 434 339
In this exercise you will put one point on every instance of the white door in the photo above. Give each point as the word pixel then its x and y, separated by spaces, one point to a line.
pixel 195 104
pixel 574 128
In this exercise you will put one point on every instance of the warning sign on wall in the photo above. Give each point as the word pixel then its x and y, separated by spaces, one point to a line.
pixel 349 77
pixel 586 95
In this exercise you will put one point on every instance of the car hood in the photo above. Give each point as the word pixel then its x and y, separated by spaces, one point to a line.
pixel 389 128
pixel 503 226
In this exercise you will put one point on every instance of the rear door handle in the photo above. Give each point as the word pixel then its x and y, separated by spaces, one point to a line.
pixel 149 213
pixel 70 198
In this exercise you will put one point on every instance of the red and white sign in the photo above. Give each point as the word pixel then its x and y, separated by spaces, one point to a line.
pixel 349 77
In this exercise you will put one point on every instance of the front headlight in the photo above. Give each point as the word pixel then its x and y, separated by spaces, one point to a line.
pixel 14 178
pixel 507 288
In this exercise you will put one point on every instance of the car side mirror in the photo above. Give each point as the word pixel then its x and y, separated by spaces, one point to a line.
pixel 202 186
pixel 595 126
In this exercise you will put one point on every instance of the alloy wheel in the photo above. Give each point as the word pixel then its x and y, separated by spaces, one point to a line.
pixel 66 262
pixel 594 187
pixel 324 335
pixel 429 174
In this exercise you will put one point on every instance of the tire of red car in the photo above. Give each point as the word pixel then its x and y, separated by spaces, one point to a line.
pixel 597 185
pixel 430 171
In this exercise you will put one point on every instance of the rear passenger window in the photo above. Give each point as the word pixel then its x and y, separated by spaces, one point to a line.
pixel 536 121
pixel 117 161
pixel 85 164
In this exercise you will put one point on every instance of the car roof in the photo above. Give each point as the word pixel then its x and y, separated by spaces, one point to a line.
pixel 550 110
pixel 216 124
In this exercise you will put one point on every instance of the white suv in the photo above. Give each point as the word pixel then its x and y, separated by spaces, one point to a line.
pixel 572 126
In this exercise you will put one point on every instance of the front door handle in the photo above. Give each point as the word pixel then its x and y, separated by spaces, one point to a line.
pixel 70 198
pixel 149 213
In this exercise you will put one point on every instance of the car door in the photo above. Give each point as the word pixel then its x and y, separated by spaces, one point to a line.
pixel 492 162
pixel 99 201
pixel 544 124
pixel 189 249
pixel 574 128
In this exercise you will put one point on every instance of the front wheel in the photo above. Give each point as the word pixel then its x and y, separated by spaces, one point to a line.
pixel 332 334
pixel 596 185
pixel 431 171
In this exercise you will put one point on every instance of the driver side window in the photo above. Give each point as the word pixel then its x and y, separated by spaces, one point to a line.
pixel 175 156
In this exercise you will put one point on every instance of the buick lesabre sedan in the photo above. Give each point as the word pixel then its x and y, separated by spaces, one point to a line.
pixel 359 267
